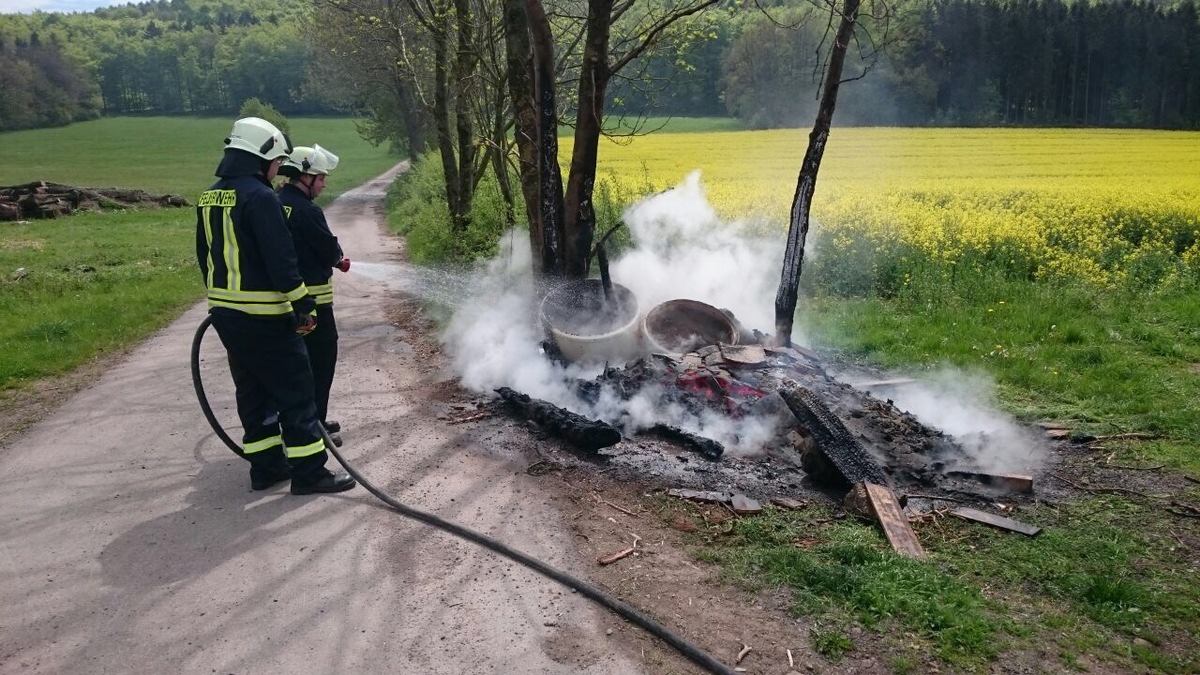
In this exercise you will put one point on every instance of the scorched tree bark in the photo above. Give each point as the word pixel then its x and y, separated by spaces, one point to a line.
pixel 793 258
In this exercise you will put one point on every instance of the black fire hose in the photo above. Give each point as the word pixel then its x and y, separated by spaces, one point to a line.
pixel 695 654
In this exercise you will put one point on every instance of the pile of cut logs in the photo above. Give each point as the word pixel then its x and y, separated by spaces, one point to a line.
pixel 41 199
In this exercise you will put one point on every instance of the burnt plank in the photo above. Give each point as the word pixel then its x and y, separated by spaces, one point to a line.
pixel 895 524
pixel 833 439
pixel 999 481
pixel 996 521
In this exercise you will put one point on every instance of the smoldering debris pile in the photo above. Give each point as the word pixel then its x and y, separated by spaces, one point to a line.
pixel 816 427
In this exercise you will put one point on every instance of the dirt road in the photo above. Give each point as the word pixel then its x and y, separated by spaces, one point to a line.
pixel 131 542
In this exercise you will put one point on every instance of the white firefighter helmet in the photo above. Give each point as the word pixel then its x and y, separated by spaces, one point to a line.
pixel 315 160
pixel 258 137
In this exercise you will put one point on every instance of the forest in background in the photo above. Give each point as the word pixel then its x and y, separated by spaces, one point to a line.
pixel 944 63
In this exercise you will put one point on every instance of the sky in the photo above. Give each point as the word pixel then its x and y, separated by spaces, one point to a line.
pixel 23 6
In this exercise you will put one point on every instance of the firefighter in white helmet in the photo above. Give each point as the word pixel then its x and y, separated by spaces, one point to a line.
pixel 318 252
pixel 260 308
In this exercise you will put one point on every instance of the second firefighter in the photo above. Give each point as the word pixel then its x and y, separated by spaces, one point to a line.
pixel 317 252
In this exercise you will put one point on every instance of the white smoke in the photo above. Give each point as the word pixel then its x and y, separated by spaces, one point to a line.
pixel 963 406
pixel 681 249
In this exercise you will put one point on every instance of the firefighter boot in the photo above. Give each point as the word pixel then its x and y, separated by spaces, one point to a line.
pixel 268 468
pixel 323 481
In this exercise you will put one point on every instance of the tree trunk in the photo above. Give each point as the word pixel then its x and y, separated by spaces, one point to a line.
pixel 793 258
pixel 445 138
pixel 499 159
pixel 562 227
pixel 593 81
pixel 520 86
pixel 549 176
pixel 414 122
pixel 465 59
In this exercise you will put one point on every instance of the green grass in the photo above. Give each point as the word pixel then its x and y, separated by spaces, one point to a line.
pixel 92 283
pixel 1104 363
pixel 849 573
pixel 73 288
pixel 1106 578
pixel 175 155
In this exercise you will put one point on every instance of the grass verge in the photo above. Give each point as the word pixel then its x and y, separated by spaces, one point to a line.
pixel 1107 582
pixel 175 155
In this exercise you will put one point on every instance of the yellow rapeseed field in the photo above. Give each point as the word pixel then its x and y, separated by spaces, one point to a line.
pixel 1107 207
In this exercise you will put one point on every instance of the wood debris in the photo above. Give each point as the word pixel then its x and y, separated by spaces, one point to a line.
pixel 470 418
pixel 41 199
pixel 1000 481
pixel 623 553
pixel 742 654
pixel 743 355
pixel 788 503
pixel 700 495
pixel 591 435
pixel 895 524
pixel 884 383
pixel 744 506
pixel 834 441
pixel 1187 510
pixel 706 447
pixel 996 521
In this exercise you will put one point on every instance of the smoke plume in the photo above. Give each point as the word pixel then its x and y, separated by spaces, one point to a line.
pixel 681 249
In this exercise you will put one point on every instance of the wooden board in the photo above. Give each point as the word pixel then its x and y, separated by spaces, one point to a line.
pixel 1000 481
pixel 895 524
pixel 699 495
pixel 883 383
pixel 743 505
pixel 996 521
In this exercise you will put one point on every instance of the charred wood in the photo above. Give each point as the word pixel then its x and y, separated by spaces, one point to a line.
pixel 576 429
pixel 832 437
pixel 707 447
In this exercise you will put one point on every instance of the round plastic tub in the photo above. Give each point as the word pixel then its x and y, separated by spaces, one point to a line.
pixel 586 326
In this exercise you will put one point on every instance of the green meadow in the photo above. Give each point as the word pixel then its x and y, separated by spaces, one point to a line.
pixel 173 155
pixel 95 283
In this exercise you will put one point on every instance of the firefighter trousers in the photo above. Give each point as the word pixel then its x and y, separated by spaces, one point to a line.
pixel 274 386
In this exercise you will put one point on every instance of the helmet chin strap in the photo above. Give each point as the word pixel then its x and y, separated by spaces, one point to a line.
pixel 308 186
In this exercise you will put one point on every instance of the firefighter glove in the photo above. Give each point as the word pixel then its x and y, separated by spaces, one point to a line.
pixel 344 264
pixel 306 323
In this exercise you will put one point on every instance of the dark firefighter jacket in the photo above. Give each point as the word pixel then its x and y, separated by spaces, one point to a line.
pixel 243 246
pixel 317 249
